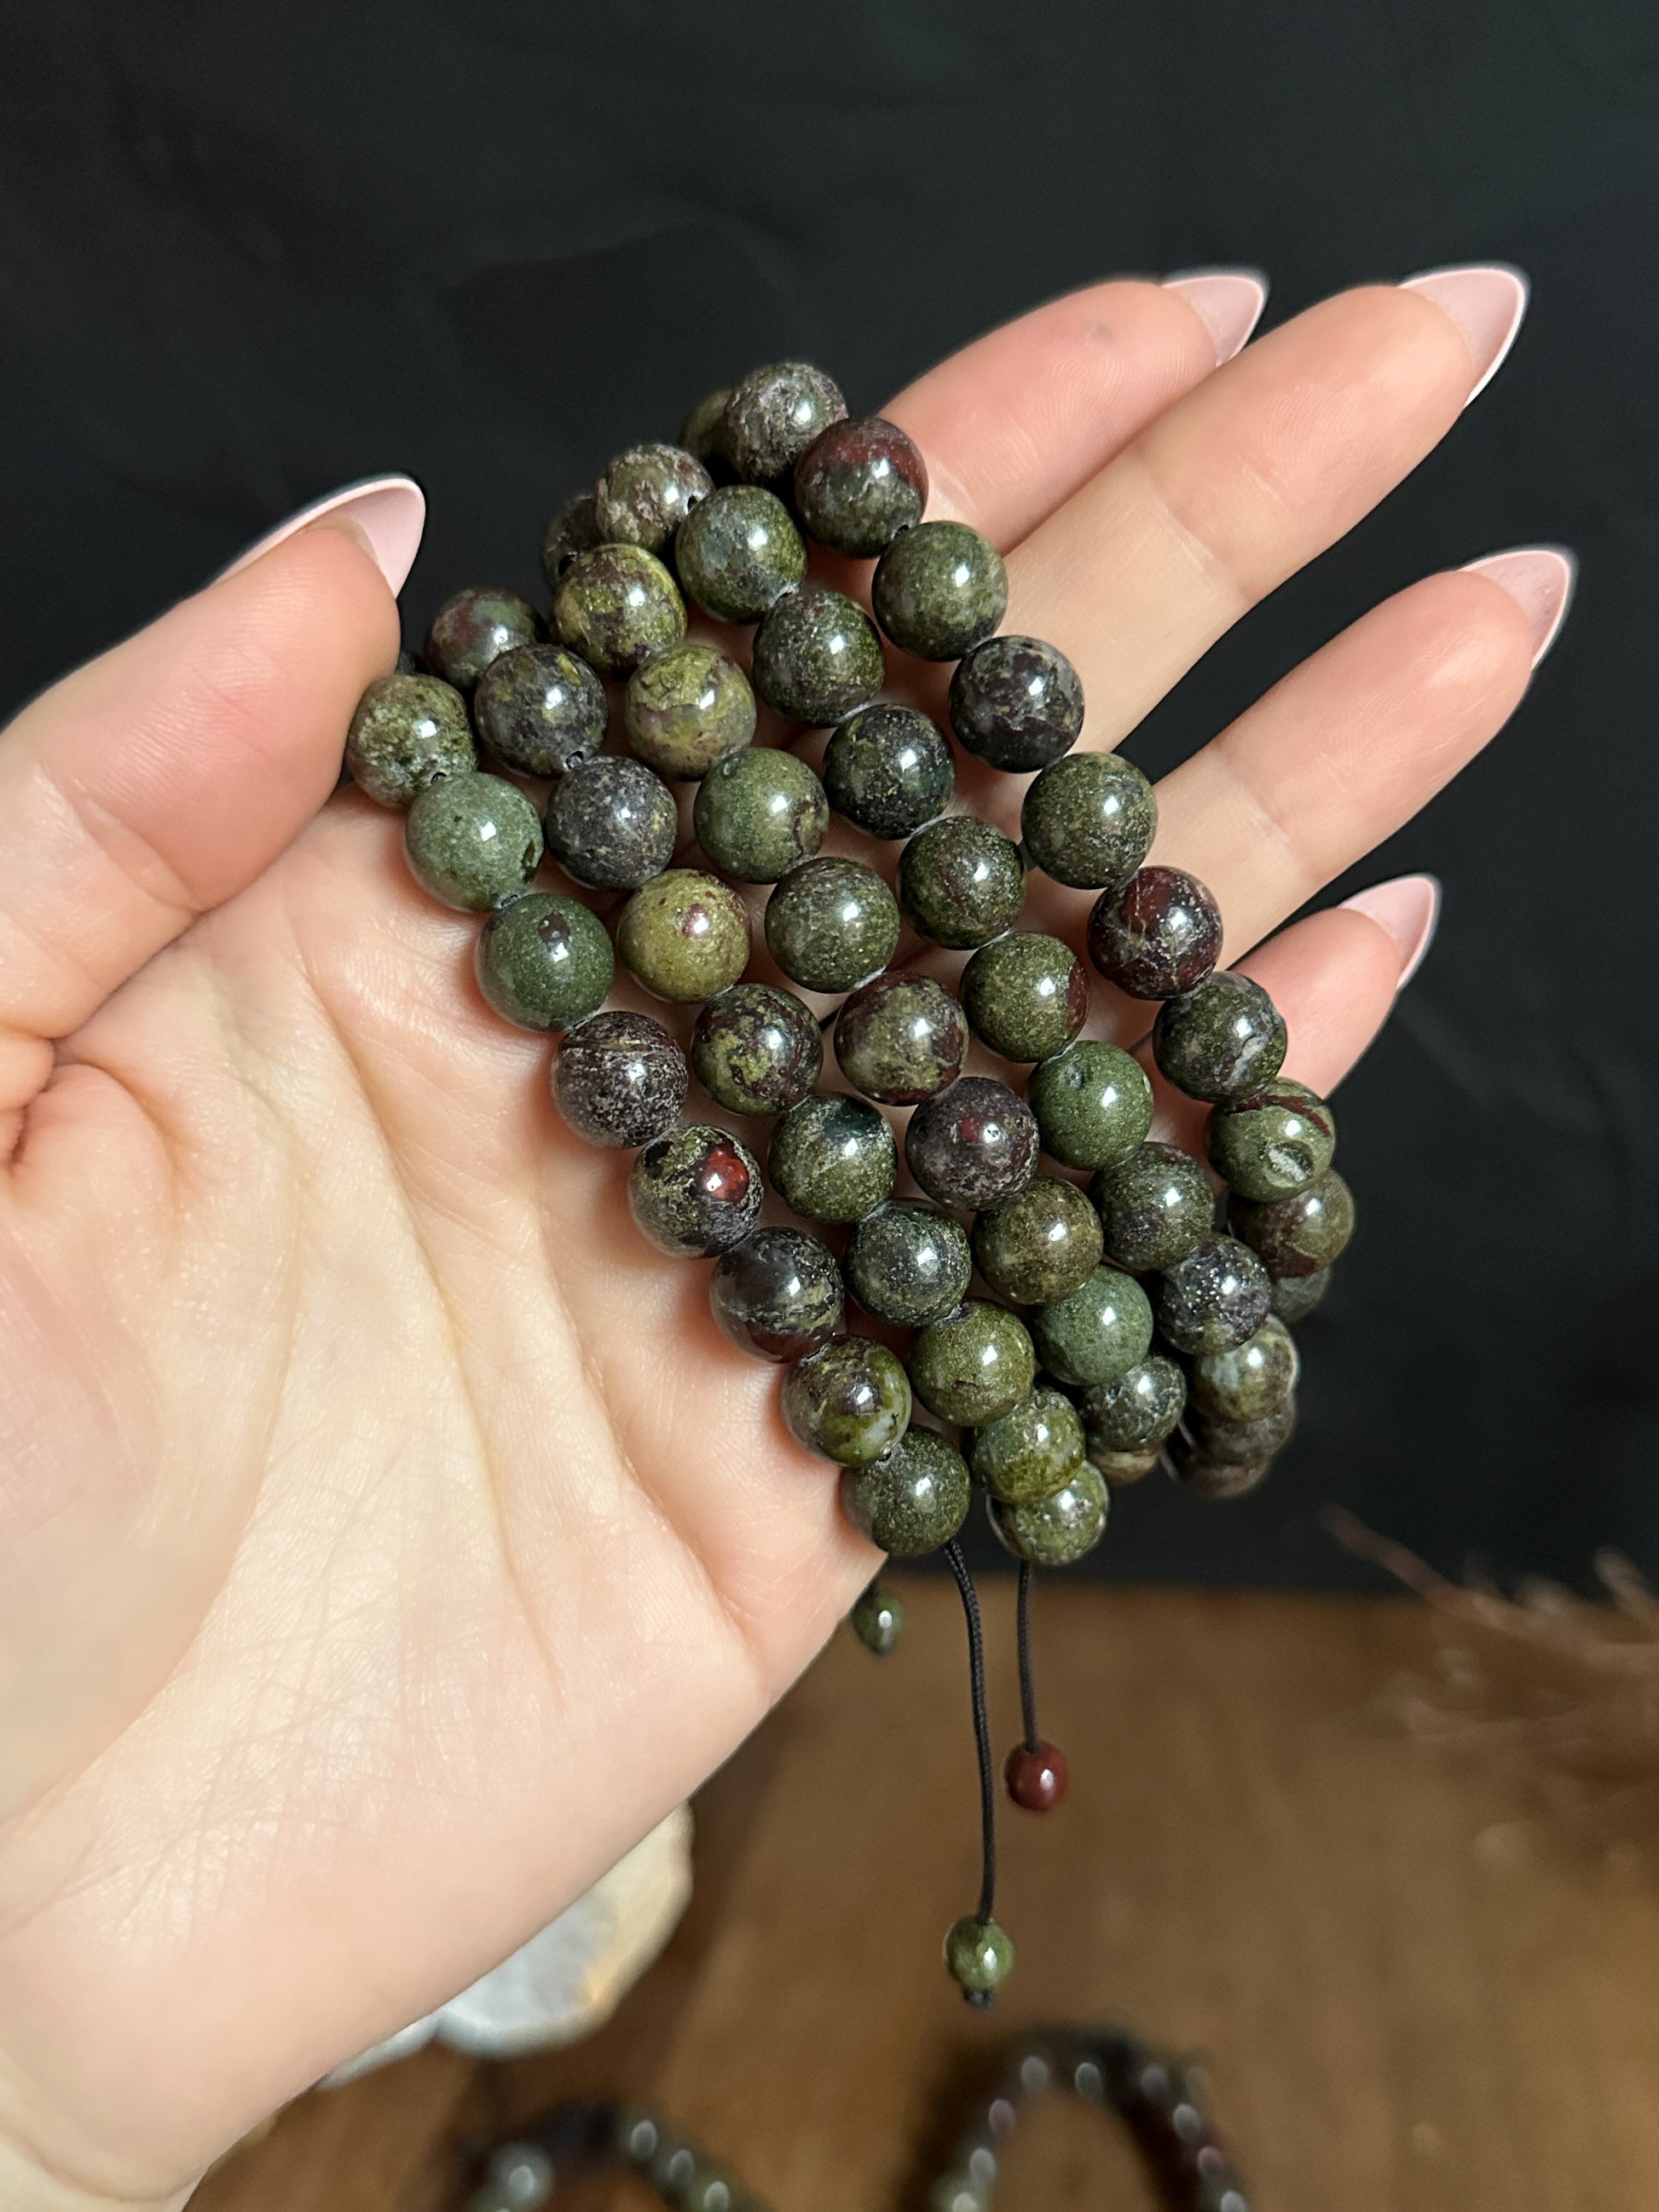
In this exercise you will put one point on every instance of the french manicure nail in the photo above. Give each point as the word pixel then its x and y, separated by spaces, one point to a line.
pixel 1486 300
pixel 1408 908
pixel 1228 301
pixel 389 511
pixel 1539 578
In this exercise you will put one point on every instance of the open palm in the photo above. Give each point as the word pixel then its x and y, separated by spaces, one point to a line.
pixel 387 1537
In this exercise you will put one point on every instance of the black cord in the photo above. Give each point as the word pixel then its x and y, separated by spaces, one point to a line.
pixel 1027 1685
pixel 987 1795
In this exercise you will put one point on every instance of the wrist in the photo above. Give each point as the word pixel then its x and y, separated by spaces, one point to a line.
pixel 28 2185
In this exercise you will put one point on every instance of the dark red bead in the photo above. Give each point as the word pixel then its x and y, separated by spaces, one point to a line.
pixel 1159 937
pixel 1037 1779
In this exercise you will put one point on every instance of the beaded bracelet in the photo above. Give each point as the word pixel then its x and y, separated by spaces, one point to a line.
pixel 1073 1402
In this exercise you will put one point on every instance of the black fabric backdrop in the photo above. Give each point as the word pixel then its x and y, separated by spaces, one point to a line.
pixel 249 252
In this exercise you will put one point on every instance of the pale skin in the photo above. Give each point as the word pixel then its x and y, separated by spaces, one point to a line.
pixel 387 1537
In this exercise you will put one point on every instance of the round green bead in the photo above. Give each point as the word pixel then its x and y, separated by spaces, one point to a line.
pixel 406 732
pixel 1295 1297
pixel 617 606
pixel 973 1365
pixel 574 529
pixel 1155 1204
pixel 1223 1039
pixel 1118 1469
pixel 1025 995
pixel 777 1295
pixel 684 935
pixel 1274 1143
pixel 541 710
pixel 1258 1438
pixel 1194 1468
pixel 473 626
pixel 773 415
pixel 1300 1235
pixel 611 823
pixel 1213 1298
pixel 900 1039
pixel 832 925
pixel 1058 1530
pixel 888 770
pixel 908 1264
pixel 961 882
pixel 939 589
pixel 858 484
pixel 696 1192
pixel 1088 821
pixel 1137 1410
pixel 878 1619
pixel 699 433
pixel 756 1049
pixel 1093 1103
pixel 817 657
pixel 1096 1332
pixel 833 1159
pixel 850 1401
pixel 739 552
pixel 914 1498
pixel 1041 1244
pixel 1032 1451
pixel 645 493
pixel 472 841
pixel 979 1954
pixel 1247 1380
pixel 759 813
pixel 687 708
pixel 544 962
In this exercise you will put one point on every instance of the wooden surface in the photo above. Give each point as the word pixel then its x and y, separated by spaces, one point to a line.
pixel 1252 1865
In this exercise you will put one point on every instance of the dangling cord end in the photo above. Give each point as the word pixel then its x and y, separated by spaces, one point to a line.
pixel 976 1950
pixel 1035 1773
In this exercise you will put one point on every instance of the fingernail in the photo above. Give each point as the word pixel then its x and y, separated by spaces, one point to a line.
pixel 1408 908
pixel 1486 301
pixel 390 513
pixel 1228 303
pixel 1539 578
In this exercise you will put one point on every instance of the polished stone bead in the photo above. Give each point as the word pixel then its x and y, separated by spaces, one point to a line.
pixel 523 2172
pixel 1298 1235
pixel 1040 1245
pixel 739 552
pixel 833 1159
pixel 774 415
pixel 850 1400
pixel 1118 1469
pixel 1247 1379
pixel 544 962
pixel 612 824
pixel 1058 1530
pixel 878 1619
pixel 472 841
pixel 1257 1438
pixel 975 1144
pixel 832 925
pixel 1222 1039
pixel 696 1192
pixel 406 732
pixel 1136 1411
pixel 1215 1296
pixel 1035 1775
pixel 939 589
pixel 1088 821
pixel 961 882
pixel 858 484
pixel 1025 995
pixel 888 770
pixel 1016 702
pixel 1155 1205
pixel 778 1294
pixel 1093 1103
pixel 684 935
pixel 907 1265
pixel 1272 1144
pixel 620 1079
pixel 540 709
pixel 574 529
pixel 703 432
pixel 901 1039
pixel 688 708
pixel 914 1498
pixel 1157 937
pixel 617 605
pixel 759 813
pixel 472 627
pixel 1032 1451
pixel 817 656
pixel 756 1049
pixel 980 1955
pixel 1295 1297
pixel 1194 1469
pixel 973 1365
pixel 1096 1332
pixel 645 493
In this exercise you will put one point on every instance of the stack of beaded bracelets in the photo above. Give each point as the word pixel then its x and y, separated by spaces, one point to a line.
pixel 1074 1400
